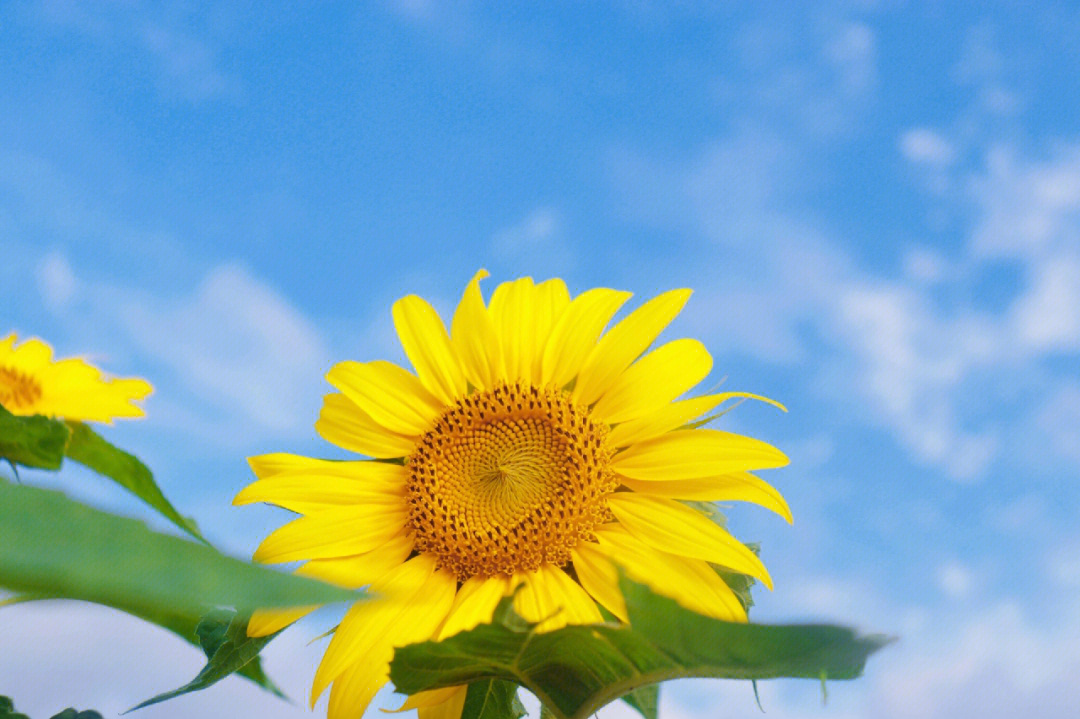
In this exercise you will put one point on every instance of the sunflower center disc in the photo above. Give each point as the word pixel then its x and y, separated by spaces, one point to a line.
pixel 507 480
pixel 17 390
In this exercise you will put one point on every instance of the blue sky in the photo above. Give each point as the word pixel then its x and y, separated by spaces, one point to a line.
pixel 877 204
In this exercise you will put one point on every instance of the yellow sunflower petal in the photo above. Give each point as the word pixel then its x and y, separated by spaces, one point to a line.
pixel 552 299
pixel 427 345
pixel 675 415
pixel 475 338
pixel 335 532
pixel 474 604
pixel 624 343
pixel 268 465
pixel 264 622
pixel 694 454
pixel 390 395
pixel 360 570
pixel 306 494
pixel 432 698
pixel 513 310
pixel 553 599
pixel 654 381
pixel 734 487
pixel 30 356
pixel 351 572
pixel 599 577
pixel 690 582
pixel 347 426
pixel 280 465
pixel 575 333
pixel 411 601
pixel 449 709
pixel 672 527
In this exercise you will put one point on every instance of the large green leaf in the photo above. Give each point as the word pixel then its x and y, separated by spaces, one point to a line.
pixel 55 547
pixel 228 648
pixel 88 448
pixel 576 670
pixel 34 441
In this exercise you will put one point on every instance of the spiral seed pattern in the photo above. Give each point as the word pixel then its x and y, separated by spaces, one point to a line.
pixel 508 479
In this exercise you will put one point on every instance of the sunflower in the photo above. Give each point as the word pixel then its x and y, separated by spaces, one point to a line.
pixel 32 382
pixel 530 448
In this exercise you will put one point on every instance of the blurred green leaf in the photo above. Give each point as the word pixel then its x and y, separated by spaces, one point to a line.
pixel 71 713
pixel 53 546
pixel 578 669
pixel 7 709
pixel 88 448
pixel 228 649
pixel 34 441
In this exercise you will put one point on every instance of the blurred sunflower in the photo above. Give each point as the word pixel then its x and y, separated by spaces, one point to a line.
pixel 530 448
pixel 32 382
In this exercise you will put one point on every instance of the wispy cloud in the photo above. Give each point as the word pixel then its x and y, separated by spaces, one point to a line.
pixel 239 344
pixel 187 61
pixel 534 244
pixel 925 146
pixel 913 360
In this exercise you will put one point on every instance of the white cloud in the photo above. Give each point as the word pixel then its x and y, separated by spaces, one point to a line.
pixel 1063 565
pixel 1028 210
pixel 925 146
pixel 853 52
pixel 1058 420
pixel 538 228
pixel 1046 318
pixel 56 280
pixel 925 265
pixel 997 663
pixel 914 360
pixel 955 579
pixel 183 55
pixel 238 344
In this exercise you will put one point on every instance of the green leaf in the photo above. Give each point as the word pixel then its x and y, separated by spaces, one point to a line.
pixel 645 699
pixel 53 546
pixel 578 669
pixel 89 449
pixel 228 648
pixel 35 441
pixel 492 699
